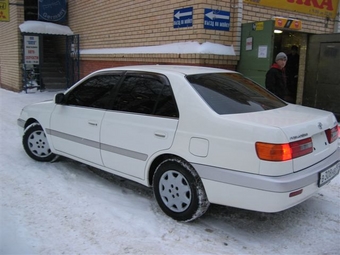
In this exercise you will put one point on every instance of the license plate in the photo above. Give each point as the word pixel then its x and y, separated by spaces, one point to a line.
pixel 328 174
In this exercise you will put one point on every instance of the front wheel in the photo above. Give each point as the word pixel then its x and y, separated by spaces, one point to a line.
pixel 35 143
pixel 179 190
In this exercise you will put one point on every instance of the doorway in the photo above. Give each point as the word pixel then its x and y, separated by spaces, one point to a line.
pixel 259 47
pixel 50 62
pixel 294 44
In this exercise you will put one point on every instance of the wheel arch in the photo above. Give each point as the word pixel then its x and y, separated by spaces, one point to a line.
pixel 157 161
pixel 29 122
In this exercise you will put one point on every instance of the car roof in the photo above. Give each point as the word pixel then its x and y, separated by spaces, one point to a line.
pixel 179 69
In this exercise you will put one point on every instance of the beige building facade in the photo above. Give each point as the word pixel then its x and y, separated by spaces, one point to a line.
pixel 113 24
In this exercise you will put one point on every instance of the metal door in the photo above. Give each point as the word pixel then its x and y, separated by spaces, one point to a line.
pixel 322 82
pixel 257 42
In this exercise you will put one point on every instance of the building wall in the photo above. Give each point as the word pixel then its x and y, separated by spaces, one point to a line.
pixel 10 48
pixel 116 24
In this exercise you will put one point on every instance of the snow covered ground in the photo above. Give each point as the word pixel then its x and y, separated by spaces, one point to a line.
pixel 68 208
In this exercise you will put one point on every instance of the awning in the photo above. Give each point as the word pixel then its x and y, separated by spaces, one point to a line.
pixel 40 27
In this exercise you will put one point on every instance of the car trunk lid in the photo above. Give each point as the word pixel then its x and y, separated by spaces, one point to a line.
pixel 297 123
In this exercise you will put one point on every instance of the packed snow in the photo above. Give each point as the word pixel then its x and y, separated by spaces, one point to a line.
pixel 172 48
pixel 41 27
pixel 69 208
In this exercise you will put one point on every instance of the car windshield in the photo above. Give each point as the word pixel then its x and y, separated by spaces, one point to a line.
pixel 230 93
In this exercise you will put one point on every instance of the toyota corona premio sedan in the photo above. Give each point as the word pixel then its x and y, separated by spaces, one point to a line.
pixel 197 135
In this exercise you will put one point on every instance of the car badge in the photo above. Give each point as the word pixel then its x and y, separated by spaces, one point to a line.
pixel 320 125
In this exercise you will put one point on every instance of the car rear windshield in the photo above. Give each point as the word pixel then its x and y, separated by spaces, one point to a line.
pixel 230 93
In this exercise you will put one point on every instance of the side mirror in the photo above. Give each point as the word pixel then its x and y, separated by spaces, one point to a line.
pixel 59 98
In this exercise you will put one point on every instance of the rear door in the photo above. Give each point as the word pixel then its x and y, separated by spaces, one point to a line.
pixel 143 121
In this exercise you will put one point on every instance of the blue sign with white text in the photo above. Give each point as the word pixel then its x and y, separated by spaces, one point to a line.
pixel 183 17
pixel 216 19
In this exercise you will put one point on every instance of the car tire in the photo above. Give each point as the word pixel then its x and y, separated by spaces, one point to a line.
pixel 179 190
pixel 35 143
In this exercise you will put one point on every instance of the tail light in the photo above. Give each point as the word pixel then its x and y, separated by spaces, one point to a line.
pixel 332 134
pixel 283 152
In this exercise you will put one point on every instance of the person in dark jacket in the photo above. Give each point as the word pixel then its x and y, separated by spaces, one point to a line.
pixel 276 81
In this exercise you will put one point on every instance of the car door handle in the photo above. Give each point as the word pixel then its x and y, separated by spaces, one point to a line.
pixel 93 123
pixel 160 134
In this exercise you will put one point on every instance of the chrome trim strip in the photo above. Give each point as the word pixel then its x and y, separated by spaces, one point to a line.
pixel 73 138
pixel 124 152
pixel 21 123
pixel 279 184
pixel 97 145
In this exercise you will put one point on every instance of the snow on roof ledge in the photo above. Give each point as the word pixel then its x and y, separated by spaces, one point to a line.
pixel 40 27
pixel 173 48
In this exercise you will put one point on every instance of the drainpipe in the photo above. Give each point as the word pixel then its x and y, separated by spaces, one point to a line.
pixel 237 7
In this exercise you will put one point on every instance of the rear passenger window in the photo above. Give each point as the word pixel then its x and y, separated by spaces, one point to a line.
pixel 146 94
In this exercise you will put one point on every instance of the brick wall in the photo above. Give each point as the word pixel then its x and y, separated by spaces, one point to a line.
pixel 10 48
pixel 116 24
pixel 92 63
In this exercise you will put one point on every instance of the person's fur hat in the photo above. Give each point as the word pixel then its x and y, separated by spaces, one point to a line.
pixel 281 55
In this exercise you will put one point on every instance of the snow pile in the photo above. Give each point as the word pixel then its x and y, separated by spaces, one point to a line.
pixel 172 48
pixel 40 27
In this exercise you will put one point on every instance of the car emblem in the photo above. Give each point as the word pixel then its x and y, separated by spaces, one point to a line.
pixel 320 125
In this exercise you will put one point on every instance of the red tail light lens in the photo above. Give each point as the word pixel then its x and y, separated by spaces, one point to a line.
pixel 301 147
pixel 283 152
pixel 332 134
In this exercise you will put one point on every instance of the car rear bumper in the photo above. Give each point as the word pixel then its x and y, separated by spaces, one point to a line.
pixel 262 193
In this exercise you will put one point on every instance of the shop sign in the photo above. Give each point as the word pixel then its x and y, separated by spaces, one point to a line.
pixel 323 8
pixel 258 26
pixel 52 10
pixel 31 45
pixel 4 10
pixel 293 24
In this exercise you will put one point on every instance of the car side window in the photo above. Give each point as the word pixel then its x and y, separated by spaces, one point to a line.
pixel 146 94
pixel 232 93
pixel 96 92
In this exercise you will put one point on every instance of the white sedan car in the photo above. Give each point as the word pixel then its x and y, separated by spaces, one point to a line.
pixel 196 135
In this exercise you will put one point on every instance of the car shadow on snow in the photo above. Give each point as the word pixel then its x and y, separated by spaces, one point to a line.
pixel 235 217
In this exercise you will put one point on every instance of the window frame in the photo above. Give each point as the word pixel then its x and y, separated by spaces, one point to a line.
pixel 155 76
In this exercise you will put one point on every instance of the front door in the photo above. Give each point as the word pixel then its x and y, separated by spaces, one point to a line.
pixel 75 132
pixel 257 42
pixel 76 124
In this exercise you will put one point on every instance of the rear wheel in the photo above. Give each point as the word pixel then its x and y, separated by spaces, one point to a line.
pixel 35 143
pixel 179 190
